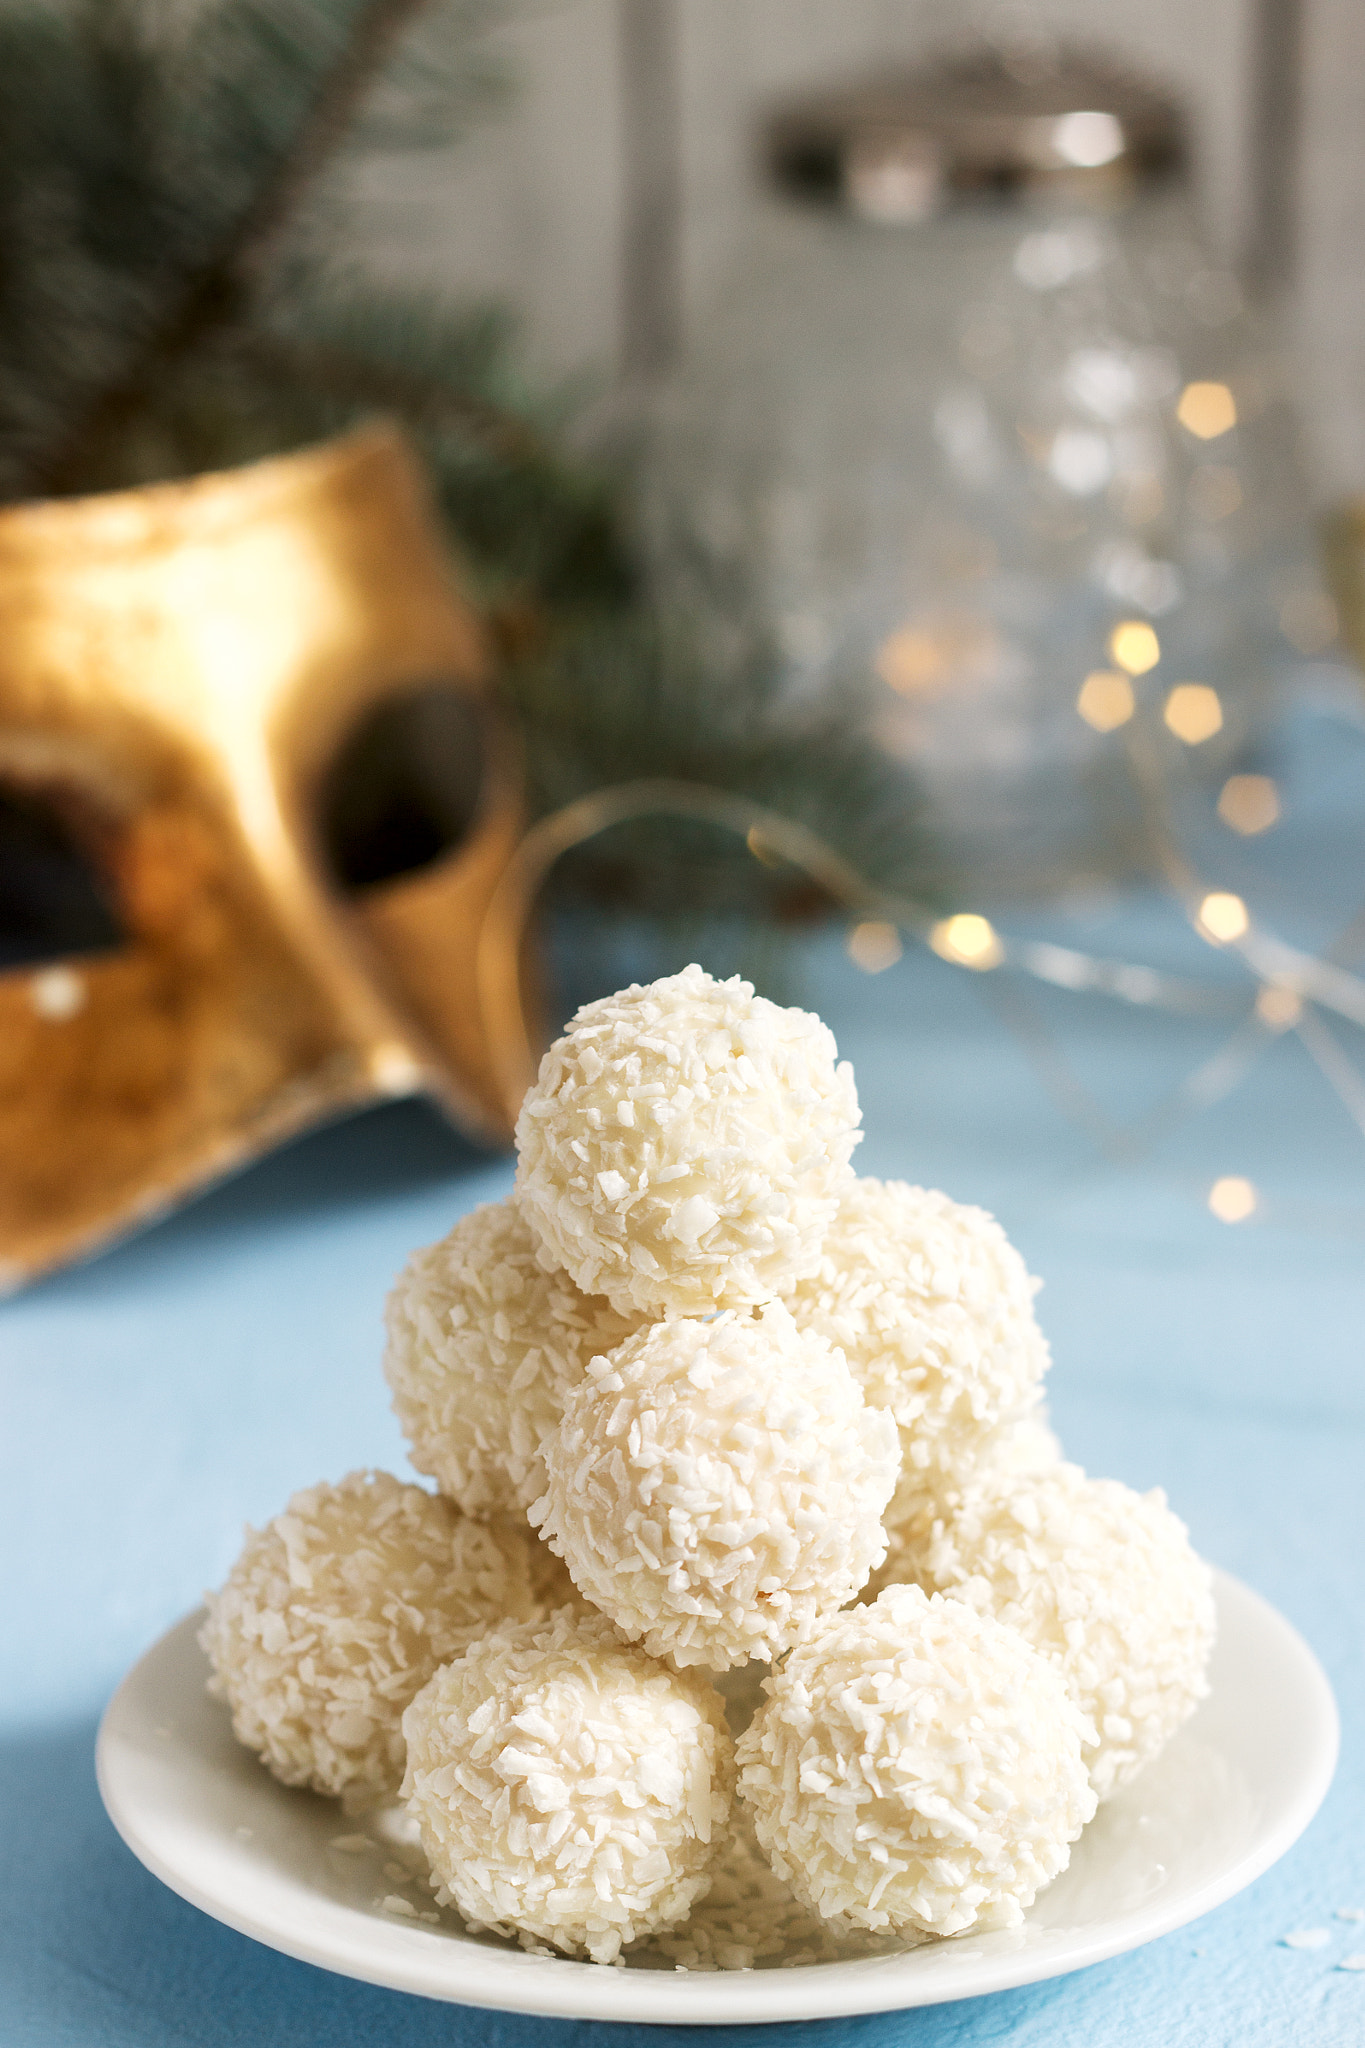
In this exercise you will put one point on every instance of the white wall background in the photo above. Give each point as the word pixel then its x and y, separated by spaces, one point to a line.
pixel 531 207
pixel 1330 297
pixel 528 208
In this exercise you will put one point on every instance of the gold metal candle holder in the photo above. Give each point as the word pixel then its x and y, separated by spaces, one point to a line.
pixel 179 667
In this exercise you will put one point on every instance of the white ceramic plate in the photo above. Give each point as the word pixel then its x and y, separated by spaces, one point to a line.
pixel 1231 1793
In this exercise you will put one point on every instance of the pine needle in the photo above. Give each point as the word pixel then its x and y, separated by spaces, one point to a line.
pixel 216 292
pixel 171 301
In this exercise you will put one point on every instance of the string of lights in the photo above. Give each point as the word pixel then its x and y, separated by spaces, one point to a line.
pixel 1286 989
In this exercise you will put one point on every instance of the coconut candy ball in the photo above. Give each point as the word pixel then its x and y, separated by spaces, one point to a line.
pixel 1103 1581
pixel 917 1766
pixel 1026 1443
pixel 685 1146
pixel 550 1581
pixel 933 1308
pixel 339 1610
pixel 713 1486
pixel 566 1786
pixel 482 1344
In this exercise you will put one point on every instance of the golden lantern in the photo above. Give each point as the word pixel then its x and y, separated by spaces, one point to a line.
pixel 182 667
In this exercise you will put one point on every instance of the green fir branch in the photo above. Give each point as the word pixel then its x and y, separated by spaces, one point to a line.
pixel 172 300
pixel 215 292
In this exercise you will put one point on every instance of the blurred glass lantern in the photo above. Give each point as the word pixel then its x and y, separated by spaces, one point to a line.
pixel 977 417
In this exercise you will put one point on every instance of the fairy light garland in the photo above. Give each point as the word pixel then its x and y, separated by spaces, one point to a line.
pixel 1291 988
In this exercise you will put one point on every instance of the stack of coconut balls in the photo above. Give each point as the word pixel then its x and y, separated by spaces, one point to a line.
pixel 728 1443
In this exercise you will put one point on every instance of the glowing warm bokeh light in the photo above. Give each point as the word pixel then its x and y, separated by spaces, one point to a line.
pixel 394 1070
pixel 1134 646
pixel 967 940
pixel 1249 804
pixel 1088 139
pixel 1206 410
pixel 1106 699
pixel 1193 713
pixel 1223 917
pixel 874 945
pixel 1278 1007
pixel 57 994
pixel 1232 1199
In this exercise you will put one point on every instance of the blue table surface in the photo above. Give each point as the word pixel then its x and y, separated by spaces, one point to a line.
pixel 191 1379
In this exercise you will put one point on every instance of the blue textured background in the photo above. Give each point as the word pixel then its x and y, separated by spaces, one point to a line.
pixel 190 1380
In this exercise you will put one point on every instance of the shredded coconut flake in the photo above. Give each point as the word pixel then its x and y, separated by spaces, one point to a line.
pixel 719 1375
pixel 1104 1581
pixel 567 1787
pixel 550 1582
pixel 483 1343
pixel 933 1308
pixel 1025 1444
pixel 339 1610
pixel 750 1920
pixel 715 1486
pixel 685 1146
pixel 917 1765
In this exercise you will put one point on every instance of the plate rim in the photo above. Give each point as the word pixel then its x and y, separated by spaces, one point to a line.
pixel 564 1988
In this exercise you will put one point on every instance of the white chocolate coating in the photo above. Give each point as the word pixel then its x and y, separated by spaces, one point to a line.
pixel 566 1787
pixel 685 1146
pixel 916 1766
pixel 714 1486
pixel 1102 1580
pixel 339 1610
pixel 483 1343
